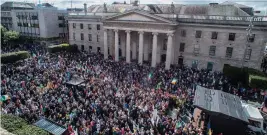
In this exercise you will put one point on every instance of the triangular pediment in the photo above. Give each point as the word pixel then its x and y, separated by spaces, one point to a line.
pixel 138 16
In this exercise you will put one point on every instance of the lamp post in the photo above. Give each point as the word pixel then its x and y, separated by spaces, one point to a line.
pixel 249 35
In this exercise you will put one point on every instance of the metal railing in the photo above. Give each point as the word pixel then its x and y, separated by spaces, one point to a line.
pixel 223 18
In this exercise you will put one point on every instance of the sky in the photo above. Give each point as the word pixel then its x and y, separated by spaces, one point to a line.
pixel 63 4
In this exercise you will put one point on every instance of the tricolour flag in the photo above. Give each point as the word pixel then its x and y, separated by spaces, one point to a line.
pixel 174 81
pixel 150 76
pixel 33 55
pixel 5 97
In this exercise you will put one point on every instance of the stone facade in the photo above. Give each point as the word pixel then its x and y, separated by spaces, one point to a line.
pixel 168 48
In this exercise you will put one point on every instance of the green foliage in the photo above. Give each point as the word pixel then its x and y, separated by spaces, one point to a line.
pixel 258 83
pixel 14 56
pixel 8 36
pixel 62 47
pixel 3 30
pixel 30 130
pixel 11 36
pixel 12 123
pixel 19 126
pixel 247 76
pixel 235 74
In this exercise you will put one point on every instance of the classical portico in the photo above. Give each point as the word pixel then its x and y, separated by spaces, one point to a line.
pixel 136 35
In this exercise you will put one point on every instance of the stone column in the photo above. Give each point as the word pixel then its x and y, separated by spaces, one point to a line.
pixel 105 44
pixel 141 47
pixel 116 45
pixel 154 49
pixel 128 46
pixel 169 52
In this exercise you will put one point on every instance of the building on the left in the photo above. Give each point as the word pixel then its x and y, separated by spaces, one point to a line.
pixel 42 21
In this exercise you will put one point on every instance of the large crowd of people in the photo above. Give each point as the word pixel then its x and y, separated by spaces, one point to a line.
pixel 115 98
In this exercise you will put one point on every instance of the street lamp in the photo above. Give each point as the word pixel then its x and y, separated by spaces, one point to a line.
pixel 249 35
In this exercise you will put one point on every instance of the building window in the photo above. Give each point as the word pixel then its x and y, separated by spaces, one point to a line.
pixel 229 51
pixel 196 49
pixel 90 48
pixel 98 26
pixel 97 38
pixel 82 37
pixel 60 17
pixel 212 50
pixel 74 38
pixel 181 47
pixel 248 54
pixel 61 25
pixel 25 24
pixel 19 24
pixel 81 25
pixel 251 38
pixel 61 34
pixel 34 17
pixel 210 66
pixel 231 37
pixel 36 25
pixel 89 26
pixel 198 34
pixel 164 47
pixel 214 35
pixel 74 25
pixel 183 33
pixel 90 37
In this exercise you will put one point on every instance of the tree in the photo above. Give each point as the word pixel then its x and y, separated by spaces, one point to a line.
pixel 3 30
pixel 8 37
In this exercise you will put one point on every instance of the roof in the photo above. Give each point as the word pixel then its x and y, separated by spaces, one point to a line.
pixel 205 9
pixel 235 4
pixel 50 126
pixel 18 5
pixel 216 101
pixel 252 112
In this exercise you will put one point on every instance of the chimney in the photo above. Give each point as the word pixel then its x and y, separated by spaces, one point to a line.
pixel 85 8
pixel 135 2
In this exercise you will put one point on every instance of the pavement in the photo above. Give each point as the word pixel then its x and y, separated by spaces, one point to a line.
pixel 4 132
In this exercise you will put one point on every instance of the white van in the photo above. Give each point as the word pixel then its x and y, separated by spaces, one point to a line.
pixel 254 117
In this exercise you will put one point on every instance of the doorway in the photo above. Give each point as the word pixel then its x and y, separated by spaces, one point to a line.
pixel 180 61
pixel 90 49
pixel 194 64
pixel 163 58
pixel 98 50
pixel 120 53
pixel 210 66
pixel 82 48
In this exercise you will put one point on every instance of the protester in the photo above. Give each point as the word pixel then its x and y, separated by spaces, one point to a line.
pixel 118 97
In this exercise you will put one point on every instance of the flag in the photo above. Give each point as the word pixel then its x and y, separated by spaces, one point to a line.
pixel 210 132
pixel 174 81
pixel 150 76
pixel 178 125
pixel 209 128
pixel 159 85
pixel 4 97
pixel 60 100
pixel 33 55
